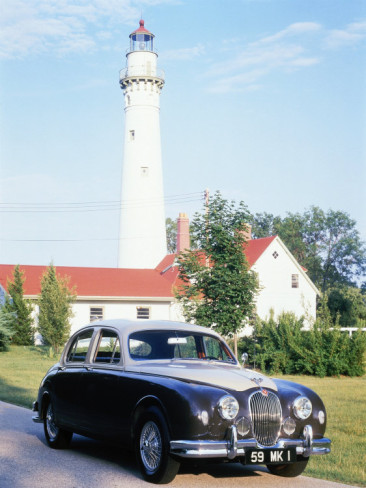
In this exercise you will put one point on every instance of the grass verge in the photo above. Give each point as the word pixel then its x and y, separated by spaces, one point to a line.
pixel 345 401
pixel 22 369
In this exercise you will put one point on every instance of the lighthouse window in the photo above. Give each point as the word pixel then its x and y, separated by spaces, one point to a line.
pixel 132 135
pixel 144 170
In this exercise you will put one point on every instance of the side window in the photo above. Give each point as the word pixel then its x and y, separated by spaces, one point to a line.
pixel 79 348
pixel 109 349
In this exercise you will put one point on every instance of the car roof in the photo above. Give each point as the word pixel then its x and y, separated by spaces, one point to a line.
pixel 126 326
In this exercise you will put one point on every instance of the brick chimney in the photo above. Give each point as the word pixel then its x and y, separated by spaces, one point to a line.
pixel 183 239
pixel 248 232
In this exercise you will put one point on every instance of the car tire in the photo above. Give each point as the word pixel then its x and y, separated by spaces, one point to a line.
pixel 56 437
pixel 289 470
pixel 152 445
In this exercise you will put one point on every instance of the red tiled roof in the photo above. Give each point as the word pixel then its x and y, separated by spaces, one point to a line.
pixel 104 282
pixel 256 247
pixel 119 282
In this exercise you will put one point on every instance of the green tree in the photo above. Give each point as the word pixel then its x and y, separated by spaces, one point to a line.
pixel 218 289
pixel 55 312
pixel 349 304
pixel 20 310
pixel 171 235
pixel 328 244
pixel 6 328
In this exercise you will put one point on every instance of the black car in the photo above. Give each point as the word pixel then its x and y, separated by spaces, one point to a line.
pixel 173 391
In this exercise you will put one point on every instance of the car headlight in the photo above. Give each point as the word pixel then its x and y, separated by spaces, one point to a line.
pixel 228 407
pixel 302 407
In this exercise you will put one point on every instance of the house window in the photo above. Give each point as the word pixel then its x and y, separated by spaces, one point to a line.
pixel 275 254
pixel 143 312
pixel 96 313
pixel 295 281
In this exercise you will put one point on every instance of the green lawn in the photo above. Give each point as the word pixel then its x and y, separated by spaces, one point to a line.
pixel 22 369
pixel 345 401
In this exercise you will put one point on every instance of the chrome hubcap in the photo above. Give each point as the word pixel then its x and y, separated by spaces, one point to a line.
pixel 52 429
pixel 151 446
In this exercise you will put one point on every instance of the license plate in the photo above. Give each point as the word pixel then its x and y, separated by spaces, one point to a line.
pixel 270 456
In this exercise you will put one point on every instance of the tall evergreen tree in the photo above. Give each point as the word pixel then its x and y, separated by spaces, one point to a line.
pixel 218 288
pixel 55 311
pixel 6 328
pixel 20 310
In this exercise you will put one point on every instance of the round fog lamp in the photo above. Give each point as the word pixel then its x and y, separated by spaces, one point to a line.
pixel 289 426
pixel 243 426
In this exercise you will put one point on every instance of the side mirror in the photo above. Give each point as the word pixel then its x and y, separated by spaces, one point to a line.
pixel 244 358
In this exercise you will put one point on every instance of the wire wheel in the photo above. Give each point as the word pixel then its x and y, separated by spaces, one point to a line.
pixel 151 446
pixel 51 427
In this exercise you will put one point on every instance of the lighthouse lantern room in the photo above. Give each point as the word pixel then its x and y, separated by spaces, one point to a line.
pixel 142 238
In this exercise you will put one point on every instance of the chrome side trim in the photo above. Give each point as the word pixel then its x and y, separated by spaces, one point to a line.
pixel 232 447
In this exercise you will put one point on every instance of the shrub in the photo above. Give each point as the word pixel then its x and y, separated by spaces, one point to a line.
pixel 281 346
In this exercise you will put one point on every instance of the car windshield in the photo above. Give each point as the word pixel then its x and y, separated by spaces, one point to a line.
pixel 172 344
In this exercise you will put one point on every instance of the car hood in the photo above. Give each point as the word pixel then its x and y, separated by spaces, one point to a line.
pixel 223 376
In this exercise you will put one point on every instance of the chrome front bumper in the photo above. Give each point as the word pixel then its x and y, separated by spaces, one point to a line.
pixel 233 447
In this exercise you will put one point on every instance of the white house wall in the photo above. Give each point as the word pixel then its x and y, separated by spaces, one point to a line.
pixel 118 309
pixel 275 275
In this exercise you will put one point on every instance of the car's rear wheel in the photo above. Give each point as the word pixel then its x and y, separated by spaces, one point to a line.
pixel 289 470
pixel 152 444
pixel 56 437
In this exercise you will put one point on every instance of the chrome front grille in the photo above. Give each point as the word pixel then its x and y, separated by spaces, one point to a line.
pixel 265 410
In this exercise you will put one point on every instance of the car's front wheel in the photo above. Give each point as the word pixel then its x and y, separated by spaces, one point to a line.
pixel 152 444
pixel 56 437
pixel 289 470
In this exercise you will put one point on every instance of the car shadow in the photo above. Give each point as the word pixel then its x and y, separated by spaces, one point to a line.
pixel 126 460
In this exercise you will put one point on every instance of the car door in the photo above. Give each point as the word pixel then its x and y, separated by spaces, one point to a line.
pixel 104 390
pixel 66 384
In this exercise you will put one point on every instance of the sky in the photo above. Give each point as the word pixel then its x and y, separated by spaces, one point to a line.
pixel 264 101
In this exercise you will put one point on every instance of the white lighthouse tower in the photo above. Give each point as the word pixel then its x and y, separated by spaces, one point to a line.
pixel 142 238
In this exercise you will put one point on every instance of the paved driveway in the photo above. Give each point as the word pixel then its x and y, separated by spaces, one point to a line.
pixel 26 462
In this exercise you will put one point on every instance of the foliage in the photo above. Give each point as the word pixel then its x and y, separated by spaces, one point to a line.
pixel 6 328
pixel 218 289
pixel 349 304
pixel 326 243
pixel 171 235
pixel 281 346
pixel 55 311
pixel 20 309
